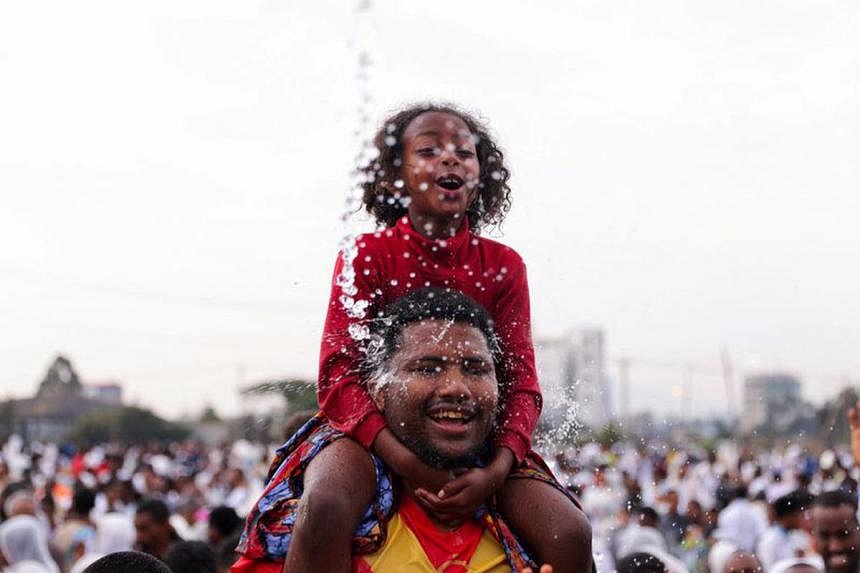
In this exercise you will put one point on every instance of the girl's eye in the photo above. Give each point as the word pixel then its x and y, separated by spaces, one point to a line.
pixel 428 151
pixel 465 153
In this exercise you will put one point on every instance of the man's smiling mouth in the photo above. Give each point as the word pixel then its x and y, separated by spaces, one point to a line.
pixel 451 414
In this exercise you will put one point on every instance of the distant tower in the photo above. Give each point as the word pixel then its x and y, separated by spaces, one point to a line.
pixel 572 370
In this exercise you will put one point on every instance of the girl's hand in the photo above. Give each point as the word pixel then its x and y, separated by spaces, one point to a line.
pixel 418 475
pixel 543 569
pixel 459 498
pixel 406 464
pixel 854 424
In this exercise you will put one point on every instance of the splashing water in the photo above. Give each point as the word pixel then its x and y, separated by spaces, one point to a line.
pixel 357 308
pixel 565 424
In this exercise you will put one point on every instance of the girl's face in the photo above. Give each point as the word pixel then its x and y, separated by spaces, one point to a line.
pixel 440 168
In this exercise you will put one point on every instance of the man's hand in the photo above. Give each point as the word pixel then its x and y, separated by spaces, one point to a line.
pixel 854 424
pixel 418 475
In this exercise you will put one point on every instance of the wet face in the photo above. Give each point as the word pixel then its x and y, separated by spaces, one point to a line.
pixel 440 168
pixel 837 538
pixel 439 393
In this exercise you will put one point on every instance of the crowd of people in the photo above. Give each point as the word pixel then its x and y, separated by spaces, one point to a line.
pixel 692 509
pixel 651 507
pixel 63 508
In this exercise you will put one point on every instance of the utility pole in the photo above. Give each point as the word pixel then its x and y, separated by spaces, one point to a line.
pixel 728 382
pixel 624 387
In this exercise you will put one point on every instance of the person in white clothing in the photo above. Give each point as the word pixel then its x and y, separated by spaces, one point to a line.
pixel 785 539
pixel 740 523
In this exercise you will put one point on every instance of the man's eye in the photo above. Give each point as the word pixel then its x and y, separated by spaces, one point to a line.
pixel 427 369
pixel 477 369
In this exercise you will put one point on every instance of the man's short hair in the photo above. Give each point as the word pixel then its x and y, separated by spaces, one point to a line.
pixel 128 562
pixel 836 498
pixel 426 304
pixel 225 520
pixel 641 562
pixel 793 502
pixel 156 508
pixel 190 557
pixel 83 501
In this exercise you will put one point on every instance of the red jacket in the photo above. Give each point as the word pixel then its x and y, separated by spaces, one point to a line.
pixel 397 260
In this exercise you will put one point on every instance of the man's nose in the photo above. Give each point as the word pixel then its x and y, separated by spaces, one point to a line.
pixel 834 545
pixel 454 385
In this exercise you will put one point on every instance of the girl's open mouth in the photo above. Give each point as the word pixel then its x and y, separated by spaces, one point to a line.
pixel 450 182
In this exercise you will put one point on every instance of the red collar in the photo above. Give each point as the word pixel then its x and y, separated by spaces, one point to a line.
pixel 441 249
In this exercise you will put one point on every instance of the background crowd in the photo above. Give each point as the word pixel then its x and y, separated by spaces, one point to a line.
pixel 668 508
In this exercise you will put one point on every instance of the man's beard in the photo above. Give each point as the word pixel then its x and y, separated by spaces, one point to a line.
pixel 433 458
pixel 411 434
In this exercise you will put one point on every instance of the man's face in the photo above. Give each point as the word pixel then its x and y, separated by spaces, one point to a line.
pixel 150 534
pixel 439 394
pixel 837 538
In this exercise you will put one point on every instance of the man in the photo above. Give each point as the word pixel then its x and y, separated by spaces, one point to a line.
pixel 128 562
pixel 642 534
pixel 785 538
pixel 740 522
pixel 434 380
pixel 836 531
pixel 77 527
pixel 673 525
pixel 191 557
pixel 155 535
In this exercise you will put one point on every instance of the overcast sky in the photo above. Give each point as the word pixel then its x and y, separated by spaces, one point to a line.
pixel 172 173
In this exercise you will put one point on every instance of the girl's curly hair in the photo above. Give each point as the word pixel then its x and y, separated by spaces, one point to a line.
pixel 382 197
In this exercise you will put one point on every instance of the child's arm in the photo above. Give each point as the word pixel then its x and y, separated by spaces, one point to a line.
pixel 459 498
pixel 343 397
pixel 521 392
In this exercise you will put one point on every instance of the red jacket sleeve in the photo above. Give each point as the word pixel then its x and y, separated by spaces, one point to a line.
pixel 342 396
pixel 523 400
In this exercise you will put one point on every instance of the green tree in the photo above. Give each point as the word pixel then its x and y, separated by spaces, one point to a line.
pixel 7 419
pixel 129 424
pixel 209 414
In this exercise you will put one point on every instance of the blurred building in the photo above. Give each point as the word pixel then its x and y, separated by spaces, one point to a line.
pixel 60 400
pixel 771 399
pixel 572 374
pixel 105 392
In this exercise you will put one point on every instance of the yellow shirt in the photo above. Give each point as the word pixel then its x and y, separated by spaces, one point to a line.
pixel 415 545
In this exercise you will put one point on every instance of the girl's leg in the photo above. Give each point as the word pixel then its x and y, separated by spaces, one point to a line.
pixel 339 486
pixel 549 523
